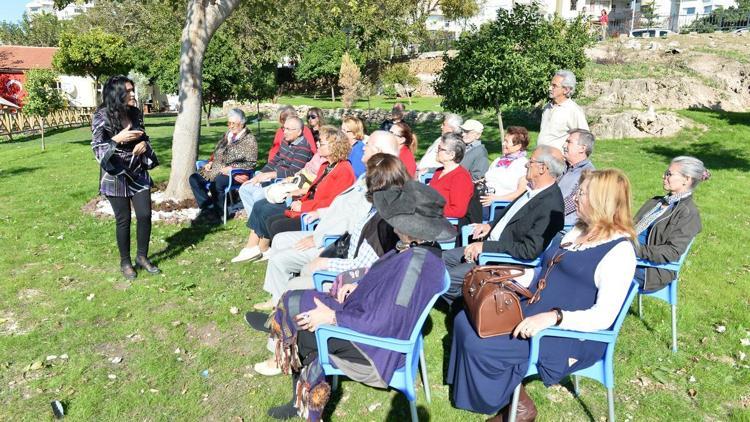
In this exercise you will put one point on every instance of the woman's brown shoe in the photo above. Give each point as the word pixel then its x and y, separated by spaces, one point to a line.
pixel 526 410
pixel 128 271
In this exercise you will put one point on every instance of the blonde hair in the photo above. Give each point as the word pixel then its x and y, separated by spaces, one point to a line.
pixel 355 125
pixel 608 194
pixel 338 144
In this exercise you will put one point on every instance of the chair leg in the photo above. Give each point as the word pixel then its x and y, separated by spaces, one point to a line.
pixel 674 328
pixel 611 404
pixel 576 389
pixel 224 214
pixel 335 384
pixel 425 381
pixel 640 306
pixel 413 410
pixel 514 403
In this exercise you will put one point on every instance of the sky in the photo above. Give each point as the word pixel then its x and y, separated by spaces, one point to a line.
pixel 12 10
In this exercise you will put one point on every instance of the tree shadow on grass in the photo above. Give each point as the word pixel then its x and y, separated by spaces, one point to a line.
pixel 183 239
pixel 17 171
pixel 713 154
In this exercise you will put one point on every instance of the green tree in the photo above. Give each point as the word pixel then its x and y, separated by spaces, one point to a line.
pixel 350 80
pixel 400 74
pixel 38 30
pixel 42 96
pixel 509 61
pixel 648 12
pixel 94 53
pixel 321 61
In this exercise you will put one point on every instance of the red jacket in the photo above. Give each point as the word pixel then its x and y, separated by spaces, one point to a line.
pixel 457 189
pixel 328 187
pixel 408 159
pixel 306 132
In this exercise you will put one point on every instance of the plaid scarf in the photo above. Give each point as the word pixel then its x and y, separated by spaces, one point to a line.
pixel 658 210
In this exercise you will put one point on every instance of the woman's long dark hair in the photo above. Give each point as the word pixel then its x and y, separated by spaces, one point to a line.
pixel 115 104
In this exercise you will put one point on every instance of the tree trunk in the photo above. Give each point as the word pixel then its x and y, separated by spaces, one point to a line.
pixel 500 124
pixel 333 95
pixel 207 110
pixel 257 118
pixel 203 19
pixel 41 123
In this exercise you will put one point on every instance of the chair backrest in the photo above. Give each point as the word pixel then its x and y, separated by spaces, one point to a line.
pixel 417 331
pixel 426 177
pixel 684 255
pixel 632 291
pixel 495 206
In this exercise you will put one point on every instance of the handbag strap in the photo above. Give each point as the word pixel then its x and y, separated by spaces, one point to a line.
pixel 542 283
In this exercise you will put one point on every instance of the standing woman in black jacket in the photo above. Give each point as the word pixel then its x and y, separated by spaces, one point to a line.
pixel 665 225
pixel 123 150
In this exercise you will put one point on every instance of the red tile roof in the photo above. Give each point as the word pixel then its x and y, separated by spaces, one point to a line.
pixel 18 57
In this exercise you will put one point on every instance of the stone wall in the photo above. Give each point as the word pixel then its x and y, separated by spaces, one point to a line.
pixel 270 111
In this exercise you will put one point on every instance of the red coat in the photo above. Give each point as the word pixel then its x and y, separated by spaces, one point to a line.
pixel 408 159
pixel 335 182
pixel 306 132
pixel 457 189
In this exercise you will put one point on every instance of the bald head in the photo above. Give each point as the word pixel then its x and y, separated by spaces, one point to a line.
pixel 380 141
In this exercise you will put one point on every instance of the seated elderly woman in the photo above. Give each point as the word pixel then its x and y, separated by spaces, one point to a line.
pixel 588 273
pixel 334 175
pixel 385 302
pixel 237 149
pixel 665 225
pixel 506 177
pixel 452 180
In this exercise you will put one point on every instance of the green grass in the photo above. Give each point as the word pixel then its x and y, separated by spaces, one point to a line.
pixel 54 257
pixel 417 103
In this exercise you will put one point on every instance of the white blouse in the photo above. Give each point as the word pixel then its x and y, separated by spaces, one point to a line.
pixel 505 179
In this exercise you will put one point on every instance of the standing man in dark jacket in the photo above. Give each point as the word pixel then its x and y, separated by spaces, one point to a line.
pixel 524 228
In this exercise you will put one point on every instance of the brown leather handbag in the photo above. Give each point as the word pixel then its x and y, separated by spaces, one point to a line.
pixel 491 299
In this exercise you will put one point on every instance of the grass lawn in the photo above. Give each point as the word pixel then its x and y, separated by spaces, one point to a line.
pixel 61 294
pixel 417 103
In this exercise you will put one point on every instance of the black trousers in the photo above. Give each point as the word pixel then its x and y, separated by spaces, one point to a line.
pixel 121 206
pixel 280 223
pixel 215 188
pixel 344 349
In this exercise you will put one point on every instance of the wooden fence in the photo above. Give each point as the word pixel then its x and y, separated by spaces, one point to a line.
pixel 19 123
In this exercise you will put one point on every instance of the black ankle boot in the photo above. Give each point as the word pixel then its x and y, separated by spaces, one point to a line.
pixel 143 262
pixel 127 270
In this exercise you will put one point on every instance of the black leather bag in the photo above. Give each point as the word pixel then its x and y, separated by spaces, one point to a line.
pixel 337 249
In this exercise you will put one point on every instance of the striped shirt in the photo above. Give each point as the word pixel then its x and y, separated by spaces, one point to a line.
pixel 290 159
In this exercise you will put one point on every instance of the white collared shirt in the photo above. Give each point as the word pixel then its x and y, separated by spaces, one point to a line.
pixel 517 206
pixel 557 120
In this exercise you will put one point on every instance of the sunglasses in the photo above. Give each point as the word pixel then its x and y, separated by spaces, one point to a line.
pixel 312 116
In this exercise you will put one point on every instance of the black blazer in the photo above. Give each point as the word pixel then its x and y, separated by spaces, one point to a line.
pixel 532 228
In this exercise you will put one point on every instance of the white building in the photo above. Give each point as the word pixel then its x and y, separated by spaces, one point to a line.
pixel 48 6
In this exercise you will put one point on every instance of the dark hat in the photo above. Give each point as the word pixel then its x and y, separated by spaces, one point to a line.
pixel 415 210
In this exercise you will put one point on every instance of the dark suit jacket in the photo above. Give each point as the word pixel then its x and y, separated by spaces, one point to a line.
pixel 531 230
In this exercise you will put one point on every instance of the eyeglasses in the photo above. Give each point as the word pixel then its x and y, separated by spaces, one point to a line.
pixel 442 149
pixel 534 161
pixel 232 123
pixel 311 116
pixel 323 144
pixel 580 193
pixel 669 173
pixel 347 131
pixel 290 129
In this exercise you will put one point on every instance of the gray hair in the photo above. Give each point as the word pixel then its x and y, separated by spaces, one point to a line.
pixel 569 81
pixel 552 159
pixel 455 144
pixel 454 121
pixel 237 114
pixel 693 168
pixel 384 142
pixel 297 120
pixel 287 111
pixel 585 138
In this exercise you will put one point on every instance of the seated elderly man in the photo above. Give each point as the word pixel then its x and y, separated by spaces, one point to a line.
pixel 475 158
pixel 237 149
pixel 293 154
pixel 451 124
pixel 524 228
pixel 577 150
pixel 561 114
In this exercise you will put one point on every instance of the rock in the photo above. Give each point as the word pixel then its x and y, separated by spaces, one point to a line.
pixel 634 124
pixel 633 44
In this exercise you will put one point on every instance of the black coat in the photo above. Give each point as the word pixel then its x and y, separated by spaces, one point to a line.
pixel 532 228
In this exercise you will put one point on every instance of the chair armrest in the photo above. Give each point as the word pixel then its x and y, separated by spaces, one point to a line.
pixel 604 336
pixel 494 206
pixel 465 233
pixel 329 239
pixel 326 332
pixel 200 164
pixel 504 258
pixel 323 277
pixel 671 266
pixel 307 226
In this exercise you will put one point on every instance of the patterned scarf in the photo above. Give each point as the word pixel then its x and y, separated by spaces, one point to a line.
pixel 506 160
pixel 658 210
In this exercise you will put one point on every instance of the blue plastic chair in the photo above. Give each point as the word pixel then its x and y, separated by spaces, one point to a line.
pixel 449 244
pixel 230 187
pixel 668 293
pixel 602 371
pixel 496 206
pixel 321 278
pixel 307 226
pixel 426 177
pixel 404 377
